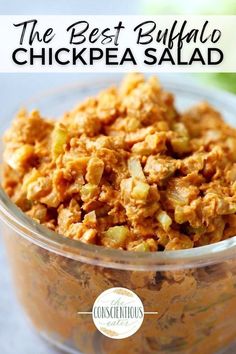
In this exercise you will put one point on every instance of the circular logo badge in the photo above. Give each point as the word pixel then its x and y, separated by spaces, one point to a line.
pixel 118 313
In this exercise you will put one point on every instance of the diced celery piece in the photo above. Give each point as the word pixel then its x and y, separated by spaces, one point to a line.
pixel 140 190
pixel 142 247
pixel 52 200
pixel 90 217
pixel 165 220
pixel 152 140
pixel 180 144
pixel 116 236
pixel 135 168
pixel 29 178
pixel 180 217
pixel 190 230
pixel 88 191
pixel 59 138
pixel 95 170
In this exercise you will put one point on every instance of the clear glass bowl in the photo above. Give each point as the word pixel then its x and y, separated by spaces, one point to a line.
pixel 194 291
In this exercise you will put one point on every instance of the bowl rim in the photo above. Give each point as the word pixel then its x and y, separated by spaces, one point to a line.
pixel 113 258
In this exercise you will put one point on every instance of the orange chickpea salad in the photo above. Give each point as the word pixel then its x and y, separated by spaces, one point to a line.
pixel 126 170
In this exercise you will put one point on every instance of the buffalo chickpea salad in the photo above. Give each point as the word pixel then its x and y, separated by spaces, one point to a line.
pixel 126 170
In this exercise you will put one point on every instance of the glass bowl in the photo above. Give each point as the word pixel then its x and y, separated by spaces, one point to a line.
pixel 194 291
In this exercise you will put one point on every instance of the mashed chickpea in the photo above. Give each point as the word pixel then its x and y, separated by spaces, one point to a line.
pixel 125 170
